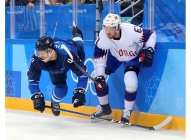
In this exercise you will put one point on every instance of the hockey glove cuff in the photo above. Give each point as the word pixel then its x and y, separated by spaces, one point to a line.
pixel 146 56
pixel 78 98
pixel 102 85
pixel 38 101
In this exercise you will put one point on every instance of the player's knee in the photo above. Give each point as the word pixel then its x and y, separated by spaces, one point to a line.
pixel 59 92
pixel 131 81
pixel 132 68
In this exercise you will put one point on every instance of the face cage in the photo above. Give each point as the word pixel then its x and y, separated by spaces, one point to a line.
pixel 36 51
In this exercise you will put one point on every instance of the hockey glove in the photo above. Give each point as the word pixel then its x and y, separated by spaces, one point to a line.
pixel 38 101
pixel 76 31
pixel 146 57
pixel 78 98
pixel 102 85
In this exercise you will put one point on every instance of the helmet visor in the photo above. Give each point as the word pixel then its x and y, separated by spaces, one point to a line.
pixel 39 53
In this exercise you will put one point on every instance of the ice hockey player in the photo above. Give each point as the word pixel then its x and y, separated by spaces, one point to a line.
pixel 121 43
pixel 50 56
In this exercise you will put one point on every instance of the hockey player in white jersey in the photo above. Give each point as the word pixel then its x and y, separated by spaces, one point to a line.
pixel 121 43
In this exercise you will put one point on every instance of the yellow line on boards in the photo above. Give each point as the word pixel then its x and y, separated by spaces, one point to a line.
pixel 141 118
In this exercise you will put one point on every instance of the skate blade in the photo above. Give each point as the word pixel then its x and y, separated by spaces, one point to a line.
pixel 114 121
pixel 96 120
pixel 103 118
pixel 124 124
pixel 109 117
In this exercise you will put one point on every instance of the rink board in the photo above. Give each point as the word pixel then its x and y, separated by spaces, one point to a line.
pixel 158 91
pixel 177 123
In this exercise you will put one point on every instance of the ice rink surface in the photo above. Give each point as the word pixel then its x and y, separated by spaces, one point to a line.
pixel 23 125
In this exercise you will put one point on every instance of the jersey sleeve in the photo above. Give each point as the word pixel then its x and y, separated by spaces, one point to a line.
pixel 33 74
pixel 100 55
pixel 149 38
pixel 146 36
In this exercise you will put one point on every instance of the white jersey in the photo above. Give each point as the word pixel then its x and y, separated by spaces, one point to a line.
pixel 127 47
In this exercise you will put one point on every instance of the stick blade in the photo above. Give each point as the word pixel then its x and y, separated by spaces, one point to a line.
pixel 162 124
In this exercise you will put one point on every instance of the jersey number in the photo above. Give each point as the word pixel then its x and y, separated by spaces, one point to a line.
pixel 138 29
pixel 69 60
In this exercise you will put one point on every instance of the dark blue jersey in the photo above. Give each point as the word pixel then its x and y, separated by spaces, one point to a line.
pixel 62 64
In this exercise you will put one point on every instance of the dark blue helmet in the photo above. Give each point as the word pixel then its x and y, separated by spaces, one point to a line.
pixel 44 43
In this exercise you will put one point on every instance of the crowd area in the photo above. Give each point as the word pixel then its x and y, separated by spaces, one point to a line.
pixel 131 11
pixel 52 2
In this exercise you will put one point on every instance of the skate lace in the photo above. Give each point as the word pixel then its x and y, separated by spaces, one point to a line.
pixel 126 114
pixel 55 105
pixel 99 110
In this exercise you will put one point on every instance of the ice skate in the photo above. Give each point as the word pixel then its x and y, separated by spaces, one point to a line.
pixel 103 111
pixel 125 117
pixel 76 31
pixel 55 111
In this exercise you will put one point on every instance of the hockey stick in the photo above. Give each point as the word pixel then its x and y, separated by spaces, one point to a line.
pixel 155 127
pixel 77 113
pixel 56 23
pixel 69 53
pixel 158 126
pixel 69 111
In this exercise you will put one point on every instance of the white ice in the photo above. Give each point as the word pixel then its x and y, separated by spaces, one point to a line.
pixel 25 125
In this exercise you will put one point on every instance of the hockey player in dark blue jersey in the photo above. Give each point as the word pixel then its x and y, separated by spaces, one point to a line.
pixel 50 56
